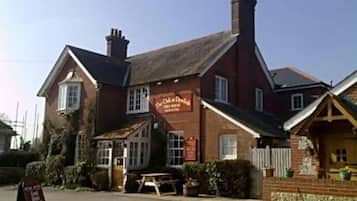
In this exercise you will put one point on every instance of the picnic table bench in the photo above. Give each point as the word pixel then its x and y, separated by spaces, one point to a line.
pixel 156 180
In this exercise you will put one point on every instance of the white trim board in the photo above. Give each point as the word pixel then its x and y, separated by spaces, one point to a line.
pixel 66 52
pixel 337 90
pixel 235 122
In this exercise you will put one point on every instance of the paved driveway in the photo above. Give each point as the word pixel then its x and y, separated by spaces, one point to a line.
pixel 8 193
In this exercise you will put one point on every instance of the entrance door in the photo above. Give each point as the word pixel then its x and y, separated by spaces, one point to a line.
pixel 118 168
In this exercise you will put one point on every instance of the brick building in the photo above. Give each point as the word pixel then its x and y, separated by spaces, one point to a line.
pixel 213 97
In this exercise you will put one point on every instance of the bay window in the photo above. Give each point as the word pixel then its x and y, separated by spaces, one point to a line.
pixel 138 100
pixel 69 92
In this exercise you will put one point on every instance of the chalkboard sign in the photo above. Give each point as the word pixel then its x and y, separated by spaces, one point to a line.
pixel 30 190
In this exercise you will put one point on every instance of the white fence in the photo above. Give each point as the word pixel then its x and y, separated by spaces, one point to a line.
pixel 278 158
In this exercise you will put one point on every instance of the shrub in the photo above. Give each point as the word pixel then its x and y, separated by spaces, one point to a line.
pixel 18 158
pixel 197 171
pixel 54 169
pixel 235 178
pixel 100 180
pixel 11 175
pixel 37 170
pixel 75 175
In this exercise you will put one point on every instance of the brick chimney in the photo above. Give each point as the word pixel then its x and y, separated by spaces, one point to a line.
pixel 117 45
pixel 243 15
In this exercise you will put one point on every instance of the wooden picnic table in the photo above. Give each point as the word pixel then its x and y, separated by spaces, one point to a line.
pixel 156 180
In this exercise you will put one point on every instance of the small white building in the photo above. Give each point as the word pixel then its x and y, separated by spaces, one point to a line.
pixel 6 133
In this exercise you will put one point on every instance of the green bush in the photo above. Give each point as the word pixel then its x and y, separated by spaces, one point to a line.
pixel 230 178
pixel 197 171
pixel 235 178
pixel 36 169
pixel 18 158
pixel 76 175
pixel 11 175
pixel 54 169
pixel 100 180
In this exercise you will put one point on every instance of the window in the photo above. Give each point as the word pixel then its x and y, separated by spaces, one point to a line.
pixel 221 89
pixel 69 96
pixel 103 153
pixel 341 155
pixel 228 147
pixel 138 100
pixel 297 102
pixel 175 148
pixel 81 147
pixel 259 100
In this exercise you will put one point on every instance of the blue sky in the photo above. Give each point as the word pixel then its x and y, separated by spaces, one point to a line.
pixel 319 37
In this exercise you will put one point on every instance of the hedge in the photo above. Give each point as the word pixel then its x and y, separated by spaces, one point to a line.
pixel 231 177
pixel 76 175
pixel 18 158
pixel 36 169
pixel 11 175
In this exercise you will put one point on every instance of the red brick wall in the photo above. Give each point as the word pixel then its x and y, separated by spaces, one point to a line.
pixel 308 186
pixel 214 125
pixel 282 103
pixel 88 94
pixel 189 122
pixel 297 156
pixel 240 93
pixel 111 107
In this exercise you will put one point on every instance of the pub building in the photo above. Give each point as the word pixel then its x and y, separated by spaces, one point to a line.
pixel 212 97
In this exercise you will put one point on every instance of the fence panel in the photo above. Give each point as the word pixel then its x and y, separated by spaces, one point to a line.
pixel 279 158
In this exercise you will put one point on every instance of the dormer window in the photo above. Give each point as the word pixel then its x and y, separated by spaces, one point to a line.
pixel 69 92
pixel 138 99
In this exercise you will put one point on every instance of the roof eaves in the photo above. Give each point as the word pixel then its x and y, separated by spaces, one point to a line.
pixel 234 121
pixel 337 90
pixel 264 66
pixel 219 55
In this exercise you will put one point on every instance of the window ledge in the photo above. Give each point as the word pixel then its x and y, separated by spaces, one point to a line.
pixel 66 111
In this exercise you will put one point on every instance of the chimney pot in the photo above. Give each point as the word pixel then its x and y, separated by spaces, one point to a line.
pixel 117 45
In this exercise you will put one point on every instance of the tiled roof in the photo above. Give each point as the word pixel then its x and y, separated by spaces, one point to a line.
pixel 265 124
pixel 292 77
pixel 103 69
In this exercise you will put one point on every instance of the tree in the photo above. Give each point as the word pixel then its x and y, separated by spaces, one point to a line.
pixel 4 117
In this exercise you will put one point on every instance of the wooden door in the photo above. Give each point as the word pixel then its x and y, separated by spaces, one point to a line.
pixel 118 169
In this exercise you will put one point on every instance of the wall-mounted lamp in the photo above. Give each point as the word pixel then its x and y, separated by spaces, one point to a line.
pixel 176 80
pixel 159 83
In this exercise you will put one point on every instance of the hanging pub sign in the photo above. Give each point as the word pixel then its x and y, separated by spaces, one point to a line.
pixel 190 149
pixel 174 103
pixel 30 190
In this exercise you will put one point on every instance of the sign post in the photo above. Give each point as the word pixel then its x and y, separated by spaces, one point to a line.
pixel 30 190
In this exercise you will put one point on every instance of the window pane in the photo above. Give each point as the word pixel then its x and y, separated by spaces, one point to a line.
pixel 131 100
pixel 217 91
pixel 175 149
pixel 137 99
pixel 224 90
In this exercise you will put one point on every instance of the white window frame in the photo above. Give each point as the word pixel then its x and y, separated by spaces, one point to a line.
pixel 63 96
pixel 259 100
pixel 223 156
pixel 141 99
pixel 104 154
pixel 293 96
pixel 179 133
pixel 220 95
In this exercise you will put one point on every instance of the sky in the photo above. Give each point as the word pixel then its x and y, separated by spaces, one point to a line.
pixel 319 36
